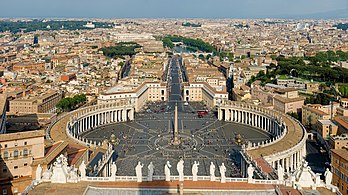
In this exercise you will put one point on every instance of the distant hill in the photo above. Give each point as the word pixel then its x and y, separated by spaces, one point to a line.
pixel 335 14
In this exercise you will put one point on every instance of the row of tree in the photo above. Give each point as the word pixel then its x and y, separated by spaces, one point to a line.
pixel 193 44
pixel 343 26
pixel 120 49
pixel 68 103
pixel 34 25
pixel 191 24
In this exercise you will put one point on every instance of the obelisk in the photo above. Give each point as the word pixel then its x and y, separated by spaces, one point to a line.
pixel 176 140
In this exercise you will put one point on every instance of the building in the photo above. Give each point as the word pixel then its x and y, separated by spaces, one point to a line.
pixel 136 95
pixel 34 66
pixel 342 110
pixel 3 105
pixel 67 77
pixel 44 103
pixel 18 150
pixel 338 141
pixel 197 92
pixel 339 162
pixel 288 105
pixel 326 128
pixel 311 113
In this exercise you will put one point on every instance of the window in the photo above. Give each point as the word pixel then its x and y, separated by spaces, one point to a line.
pixel 4 170
pixel 25 143
pixel 25 152
pixel 15 167
pixel 15 154
pixel 5 145
pixel 25 164
pixel 4 191
pixel 5 155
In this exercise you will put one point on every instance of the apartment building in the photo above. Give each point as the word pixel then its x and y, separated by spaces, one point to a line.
pixel 339 163
pixel 138 96
pixel 342 110
pixel 18 150
pixel 202 91
pixel 311 113
pixel 43 103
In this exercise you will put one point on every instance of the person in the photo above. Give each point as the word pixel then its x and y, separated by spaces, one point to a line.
pixel 180 169
pixel 138 172
pixel 150 169
pixel 212 171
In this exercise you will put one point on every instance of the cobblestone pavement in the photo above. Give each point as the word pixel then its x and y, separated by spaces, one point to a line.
pixel 203 139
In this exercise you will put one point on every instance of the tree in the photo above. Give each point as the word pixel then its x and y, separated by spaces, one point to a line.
pixel 68 103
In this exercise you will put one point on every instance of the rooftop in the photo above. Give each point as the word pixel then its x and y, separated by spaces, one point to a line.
pixel 21 135
pixel 343 153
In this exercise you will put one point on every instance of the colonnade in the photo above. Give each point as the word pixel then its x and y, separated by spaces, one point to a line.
pixel 255 119
pixel 272 122
pixel 94 120
pixel 92 117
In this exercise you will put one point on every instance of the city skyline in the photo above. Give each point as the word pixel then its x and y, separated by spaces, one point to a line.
pixel 168 9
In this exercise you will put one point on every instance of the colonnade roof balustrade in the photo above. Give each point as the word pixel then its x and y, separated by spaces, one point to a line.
pixel 57 130
pixel 295 132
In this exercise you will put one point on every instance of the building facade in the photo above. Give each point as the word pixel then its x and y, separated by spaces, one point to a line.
pixel 18 150
pixel 37 104
pixel 339 162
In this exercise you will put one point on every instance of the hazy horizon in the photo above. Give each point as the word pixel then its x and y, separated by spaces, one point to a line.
pixel 174 9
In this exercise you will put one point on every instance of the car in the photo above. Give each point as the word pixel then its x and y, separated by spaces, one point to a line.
pixel 186 104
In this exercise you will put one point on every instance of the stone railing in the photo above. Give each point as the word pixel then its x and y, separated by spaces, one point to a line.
pixel 173 178
pixel 103 161
pixel 297 147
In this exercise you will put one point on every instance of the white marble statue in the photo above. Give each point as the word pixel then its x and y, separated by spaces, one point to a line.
pixel 167 170
pixel 46 176
pixel 328 177
pixel 38 173
pixel 222 173
pixel 150 170
pixel 180 169
pixel 280 172
pixel 138 171
pixel 195 171
pixel 60 170
pixel 113 170
pixel 250 172
pixel 212 171
pixel 73 177
pixel 82 169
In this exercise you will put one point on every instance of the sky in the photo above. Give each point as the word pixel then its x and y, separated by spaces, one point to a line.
pixel 168 8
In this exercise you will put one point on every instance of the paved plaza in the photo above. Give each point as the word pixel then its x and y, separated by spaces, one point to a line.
pixel 205 140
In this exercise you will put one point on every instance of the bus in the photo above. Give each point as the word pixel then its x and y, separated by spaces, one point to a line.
pixel 201 113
